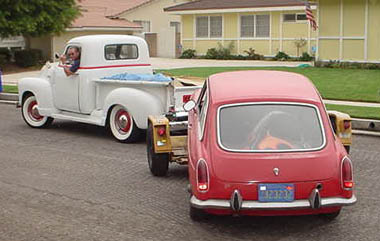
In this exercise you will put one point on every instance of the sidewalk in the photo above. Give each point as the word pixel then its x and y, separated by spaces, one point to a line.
pixel 352 103
pixel 168 63
pixel 12 79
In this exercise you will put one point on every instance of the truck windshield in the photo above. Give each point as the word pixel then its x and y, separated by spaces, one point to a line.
pixel 270 127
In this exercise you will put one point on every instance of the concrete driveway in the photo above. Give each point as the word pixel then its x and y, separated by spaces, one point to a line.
pixel 167 63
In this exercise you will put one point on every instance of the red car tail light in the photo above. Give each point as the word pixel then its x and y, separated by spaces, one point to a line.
pixel 161 131
pixel 186 98
pixel 347 174
pixel 202 176
pixel 346 124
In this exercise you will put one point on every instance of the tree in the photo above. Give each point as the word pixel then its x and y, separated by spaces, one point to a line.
pixel 36 17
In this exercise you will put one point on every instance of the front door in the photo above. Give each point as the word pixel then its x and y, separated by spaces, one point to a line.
pixel 66 90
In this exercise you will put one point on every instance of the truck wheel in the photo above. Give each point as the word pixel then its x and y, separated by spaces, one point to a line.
pixel 158 162
pixel 30 114
pixel 122 125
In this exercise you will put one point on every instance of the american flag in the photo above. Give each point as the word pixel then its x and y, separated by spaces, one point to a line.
pixel 310 16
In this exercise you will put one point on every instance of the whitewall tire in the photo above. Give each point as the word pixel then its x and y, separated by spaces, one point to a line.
pixel 31 115
pixel 122 125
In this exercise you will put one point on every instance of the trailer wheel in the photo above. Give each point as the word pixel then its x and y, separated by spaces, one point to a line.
pixel 158 162
pixel 30 114
pixel 347 149
pixel 122 125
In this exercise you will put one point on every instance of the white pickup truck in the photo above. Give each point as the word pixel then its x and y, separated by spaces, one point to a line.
pixel 123 105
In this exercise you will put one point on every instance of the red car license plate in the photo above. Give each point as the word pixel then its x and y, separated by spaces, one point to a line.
pixel 276 192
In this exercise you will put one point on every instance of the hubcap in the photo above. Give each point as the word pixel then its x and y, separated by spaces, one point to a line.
pixel 123 121
pixel 33 111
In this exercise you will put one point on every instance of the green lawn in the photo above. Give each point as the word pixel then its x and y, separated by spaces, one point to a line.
pixel 357 112
pixel 336 84
pixel 10 89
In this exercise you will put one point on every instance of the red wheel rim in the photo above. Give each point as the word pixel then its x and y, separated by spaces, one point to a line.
pixel 123 121
pixel 33 111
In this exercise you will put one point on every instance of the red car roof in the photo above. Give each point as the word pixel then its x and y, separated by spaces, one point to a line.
pixel 261 85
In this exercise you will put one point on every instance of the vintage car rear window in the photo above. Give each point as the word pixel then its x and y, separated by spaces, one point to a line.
pixel 270 127
pixel 121 51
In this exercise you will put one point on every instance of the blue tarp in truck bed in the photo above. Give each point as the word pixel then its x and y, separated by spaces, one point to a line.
pixel 143 77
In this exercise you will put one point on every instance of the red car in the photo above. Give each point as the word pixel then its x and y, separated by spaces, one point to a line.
pixel 261 143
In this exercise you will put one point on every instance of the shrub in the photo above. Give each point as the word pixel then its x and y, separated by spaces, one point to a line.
pixel 252 55
pixel 5 54
pixel 3 60
pixel 212 53
pixel 28 57
pixel 306 57
pixel 282 56
pixel 188 54
pixel 346 65
pixel 220 52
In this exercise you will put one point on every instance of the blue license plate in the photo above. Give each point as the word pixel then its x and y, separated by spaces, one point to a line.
pixel 276 192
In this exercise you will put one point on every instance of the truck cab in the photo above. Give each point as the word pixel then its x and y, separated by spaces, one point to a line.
pixel 89 96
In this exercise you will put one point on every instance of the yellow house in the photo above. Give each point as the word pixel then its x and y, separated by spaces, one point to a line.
pixel 267 26
pixel 349 30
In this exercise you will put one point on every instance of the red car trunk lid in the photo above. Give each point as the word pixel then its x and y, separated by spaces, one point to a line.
pixel 274 167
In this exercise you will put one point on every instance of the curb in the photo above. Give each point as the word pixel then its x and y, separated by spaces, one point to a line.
pixel 359 126
pixel 8 97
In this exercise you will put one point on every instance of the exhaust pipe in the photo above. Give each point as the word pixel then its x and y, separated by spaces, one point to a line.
pixel 236 201
pixel 315 197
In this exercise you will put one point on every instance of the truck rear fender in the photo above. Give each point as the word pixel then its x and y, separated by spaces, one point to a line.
pixel 41 88
pixel 138 102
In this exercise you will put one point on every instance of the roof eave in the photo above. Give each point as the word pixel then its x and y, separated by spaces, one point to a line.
pixel 105 28
pixel 239 10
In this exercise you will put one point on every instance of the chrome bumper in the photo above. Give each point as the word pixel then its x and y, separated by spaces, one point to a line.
pixel 255 205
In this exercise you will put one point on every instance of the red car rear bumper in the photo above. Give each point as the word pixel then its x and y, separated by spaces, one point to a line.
pixel 261 206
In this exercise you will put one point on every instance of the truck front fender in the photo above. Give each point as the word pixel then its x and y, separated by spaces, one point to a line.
pixel 42 89
pixel 139 103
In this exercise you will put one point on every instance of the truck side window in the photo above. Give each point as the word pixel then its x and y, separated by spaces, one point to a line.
pixel 121 51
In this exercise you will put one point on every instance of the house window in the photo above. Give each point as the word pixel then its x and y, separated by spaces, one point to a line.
pixel 177 26
pixel 209 27
pixel 294 17
pixel 262 25
pixel 252 26
pixel 248 26
pixel 202 27
pixel 144 24
pixel 215 26
pixel 301 17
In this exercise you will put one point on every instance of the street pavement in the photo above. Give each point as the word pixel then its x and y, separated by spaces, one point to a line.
pixel 74 182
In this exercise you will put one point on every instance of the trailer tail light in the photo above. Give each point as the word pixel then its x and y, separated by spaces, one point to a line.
pixel 202 176
pixel 186 98
pixel 161 131
pixel 347 173
pixel 347 124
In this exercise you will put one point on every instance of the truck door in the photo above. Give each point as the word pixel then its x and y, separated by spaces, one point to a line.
pixel 66 89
